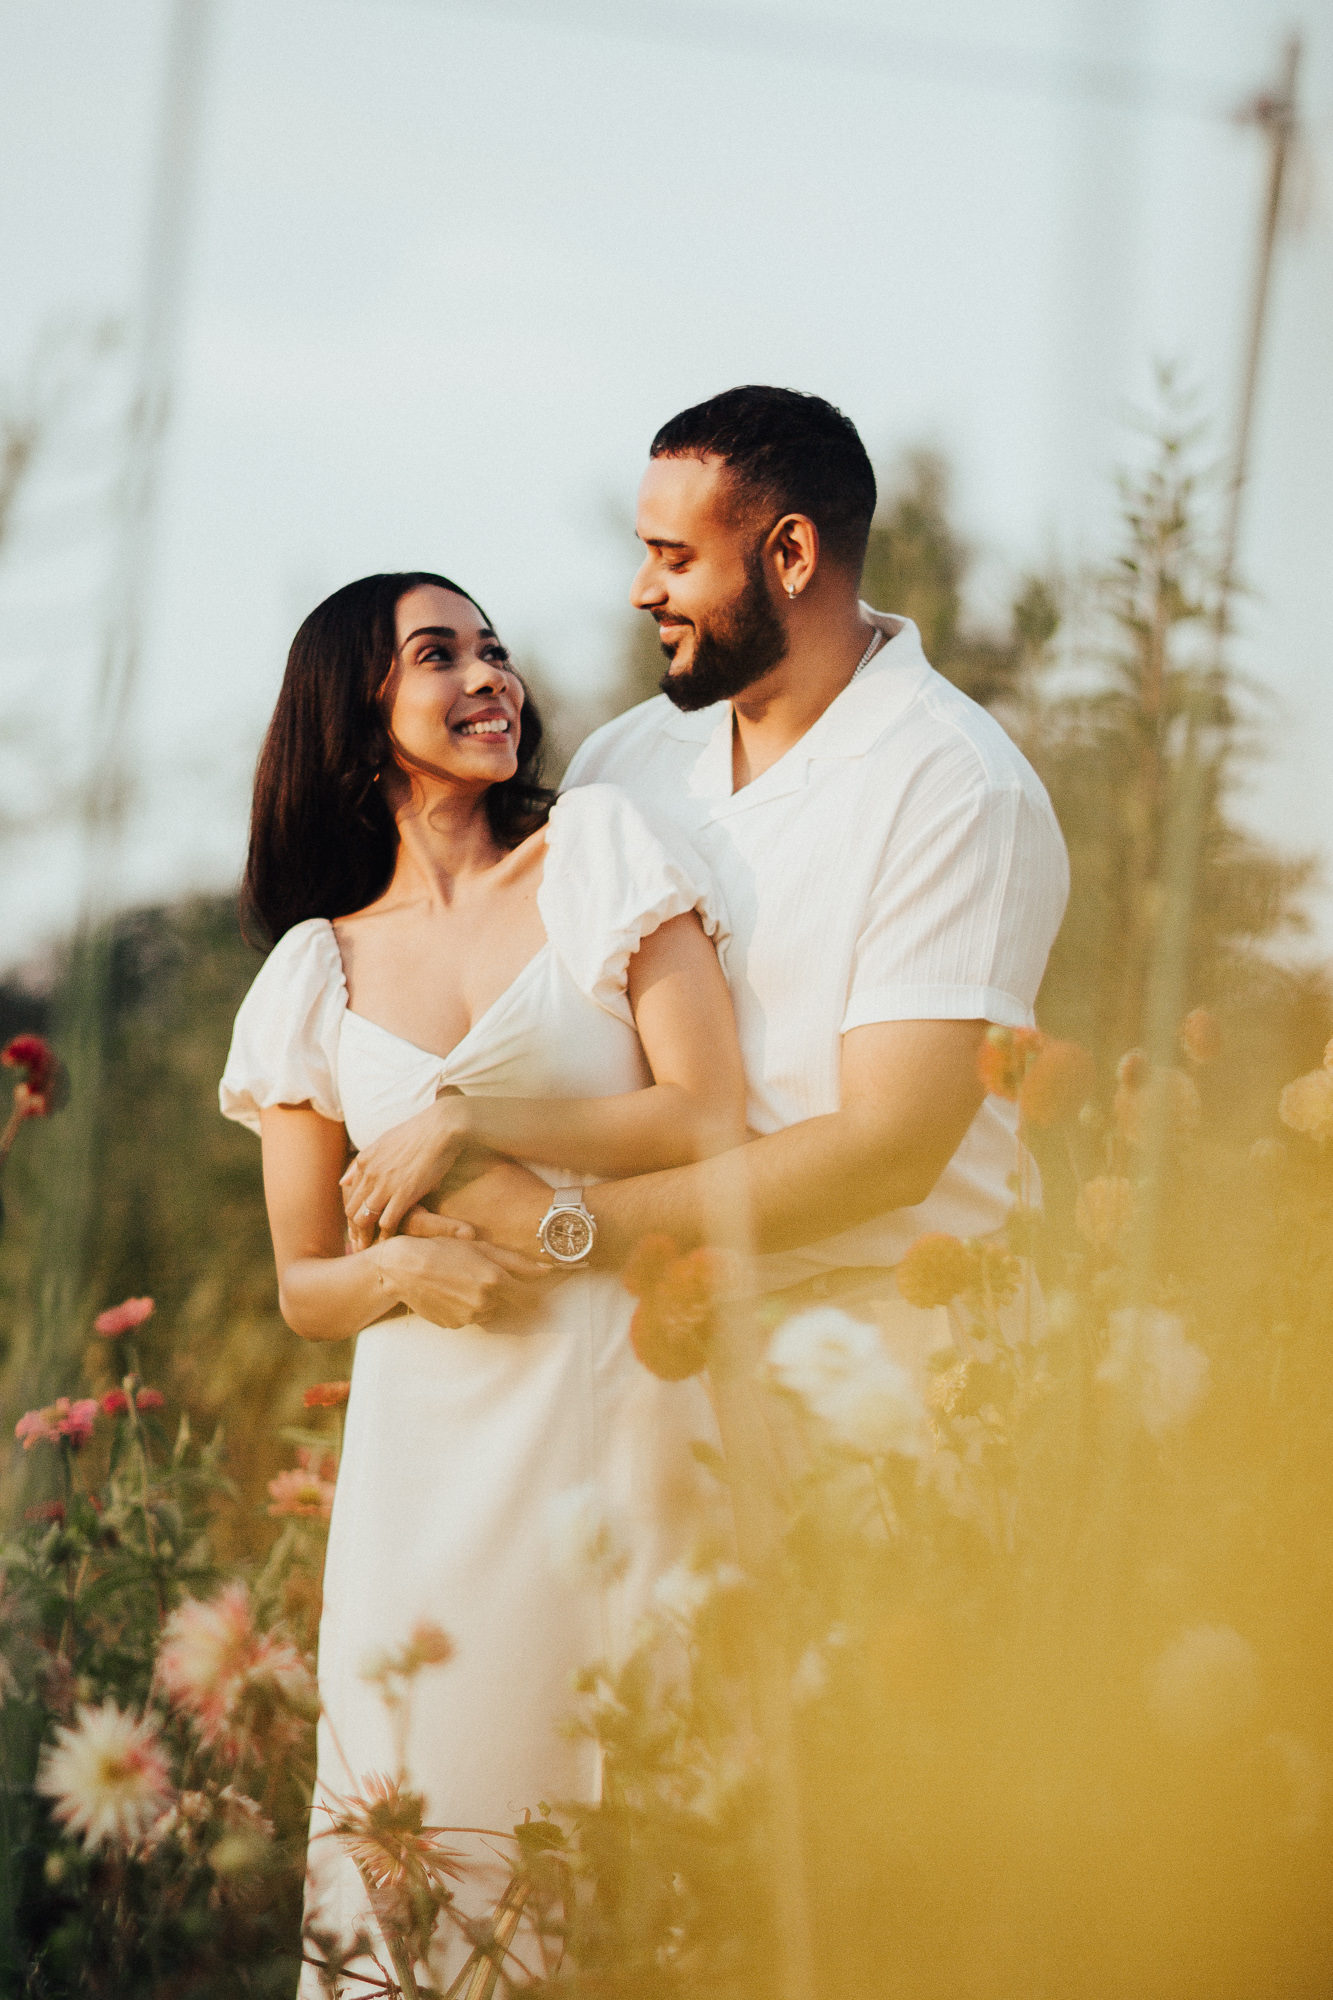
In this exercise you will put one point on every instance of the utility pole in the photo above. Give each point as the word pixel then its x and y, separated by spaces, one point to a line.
pixel 1274 112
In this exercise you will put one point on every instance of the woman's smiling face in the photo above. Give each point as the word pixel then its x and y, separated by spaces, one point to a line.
pixel 451 698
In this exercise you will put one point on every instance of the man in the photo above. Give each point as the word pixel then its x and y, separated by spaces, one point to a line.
pixel 891 866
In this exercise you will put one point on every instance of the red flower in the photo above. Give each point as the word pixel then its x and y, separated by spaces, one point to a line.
pixel 935 1270
pixel 1058 1083
pixel 46 1510
pixel 327 1395
pixel 1004 1058
pixel 115 1403
pixel 122 1318
pixel 44 1085
pixel 150 1399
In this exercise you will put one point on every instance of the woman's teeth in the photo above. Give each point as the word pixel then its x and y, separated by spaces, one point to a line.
pixel 496 727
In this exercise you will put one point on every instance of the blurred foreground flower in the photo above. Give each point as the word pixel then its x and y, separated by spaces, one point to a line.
pixel 838 1368
pixel 1164 1374
pixel 1204 1685
pixel 681 1592
pixel 1200 1036
pixel 122 1318
pixel 1004 1058
pixel 1307 1105
pixel 1104 1210
pixel 585 1538
pixel 1148 1092
pixel 213 1660
pixel 107 1775
pixel 1058 1083
pixel 401 1860
pixel 673 1321
pixel 61 1422
pixel 934 1271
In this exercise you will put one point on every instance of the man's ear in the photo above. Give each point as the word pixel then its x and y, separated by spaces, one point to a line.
pixel 792 553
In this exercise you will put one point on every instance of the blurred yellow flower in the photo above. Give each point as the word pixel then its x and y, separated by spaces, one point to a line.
pixel 1104 1210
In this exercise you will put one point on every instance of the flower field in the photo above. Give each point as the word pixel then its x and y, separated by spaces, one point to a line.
pixel 1012 1680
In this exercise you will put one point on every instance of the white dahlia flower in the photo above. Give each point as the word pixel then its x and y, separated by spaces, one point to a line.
pixel 108 1776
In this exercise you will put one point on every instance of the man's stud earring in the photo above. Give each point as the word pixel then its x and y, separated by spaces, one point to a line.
pixel 791 590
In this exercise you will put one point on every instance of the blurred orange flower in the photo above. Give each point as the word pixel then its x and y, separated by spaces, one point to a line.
pixel 1200 1036
pixel 1166 1093
pixel 1058 1083
pixel 1004 1058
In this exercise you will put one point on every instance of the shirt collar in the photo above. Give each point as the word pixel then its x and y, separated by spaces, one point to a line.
pixel 847 728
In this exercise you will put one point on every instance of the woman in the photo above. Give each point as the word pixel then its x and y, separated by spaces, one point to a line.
pixel 450 954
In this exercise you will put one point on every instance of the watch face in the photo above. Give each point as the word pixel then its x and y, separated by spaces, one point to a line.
pixel 568 1234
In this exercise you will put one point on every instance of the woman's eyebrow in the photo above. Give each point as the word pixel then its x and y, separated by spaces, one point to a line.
pixel 443 632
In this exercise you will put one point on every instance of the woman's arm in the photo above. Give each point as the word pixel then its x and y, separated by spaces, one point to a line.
pixel 695 1106
pixel 326 1294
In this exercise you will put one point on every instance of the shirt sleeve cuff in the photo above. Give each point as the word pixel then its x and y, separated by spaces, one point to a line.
pixel 935 1003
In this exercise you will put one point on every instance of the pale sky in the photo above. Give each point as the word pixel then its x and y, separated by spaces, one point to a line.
pixel 452 265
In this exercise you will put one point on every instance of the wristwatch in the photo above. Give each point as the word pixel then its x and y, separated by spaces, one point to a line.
pixel 567 1231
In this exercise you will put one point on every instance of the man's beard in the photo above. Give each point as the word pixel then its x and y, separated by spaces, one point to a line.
pixel 742 644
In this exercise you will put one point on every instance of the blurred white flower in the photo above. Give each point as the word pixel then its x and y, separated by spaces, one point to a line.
pixel 809 1676
pixel 838 1367
pixel 1204 1685
pixel 108 1776
pixel 585 1539
pixel 1150 1357
pixel 1302 1778
pixel 682 1591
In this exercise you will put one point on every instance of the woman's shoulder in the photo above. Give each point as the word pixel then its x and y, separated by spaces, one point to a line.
pixel 284 1044
pixel 612 876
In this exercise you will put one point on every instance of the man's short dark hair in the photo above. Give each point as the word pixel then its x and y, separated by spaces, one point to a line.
pixel 794 453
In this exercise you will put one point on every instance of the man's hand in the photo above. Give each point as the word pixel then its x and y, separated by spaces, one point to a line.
pixel 463 1284
pixel 504 1205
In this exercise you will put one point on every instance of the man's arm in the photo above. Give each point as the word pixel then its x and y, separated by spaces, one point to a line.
pixel 910 1090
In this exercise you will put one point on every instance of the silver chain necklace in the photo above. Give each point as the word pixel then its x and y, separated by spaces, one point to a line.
pixel 873 647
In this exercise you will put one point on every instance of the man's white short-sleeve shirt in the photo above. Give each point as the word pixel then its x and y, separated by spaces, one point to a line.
pixel 900 863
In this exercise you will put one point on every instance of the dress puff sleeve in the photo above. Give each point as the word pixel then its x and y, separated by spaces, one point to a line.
pixel 611 879
pixel 284 1047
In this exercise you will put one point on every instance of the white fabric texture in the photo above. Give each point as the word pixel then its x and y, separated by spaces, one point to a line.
pixel 457 1441
pixel 900 862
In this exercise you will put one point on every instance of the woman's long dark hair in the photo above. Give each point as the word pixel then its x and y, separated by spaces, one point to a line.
pixel 322 840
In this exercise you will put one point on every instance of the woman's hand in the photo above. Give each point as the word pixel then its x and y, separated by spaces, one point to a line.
pixel 452 1281
pixel 403 1165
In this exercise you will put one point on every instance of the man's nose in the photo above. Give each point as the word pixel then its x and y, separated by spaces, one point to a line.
pixel 647 588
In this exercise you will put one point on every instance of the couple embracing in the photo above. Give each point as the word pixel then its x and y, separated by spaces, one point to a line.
pixel 745 958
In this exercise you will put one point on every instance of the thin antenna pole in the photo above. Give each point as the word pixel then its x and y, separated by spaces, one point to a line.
pixel 59 1275
pixel 1275 115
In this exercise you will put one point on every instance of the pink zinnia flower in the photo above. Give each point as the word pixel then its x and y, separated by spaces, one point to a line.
pixel 150 1399
pixel 212 1658
pixel 301 1493
pixel 115 1403
pixel 63 1420
pixel 108 1776
pixel 122 1318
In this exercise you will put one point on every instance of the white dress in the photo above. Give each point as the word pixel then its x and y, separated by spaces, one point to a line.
pixel 458 1440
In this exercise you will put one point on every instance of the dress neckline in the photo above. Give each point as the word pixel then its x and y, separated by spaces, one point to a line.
pixel 500 1000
